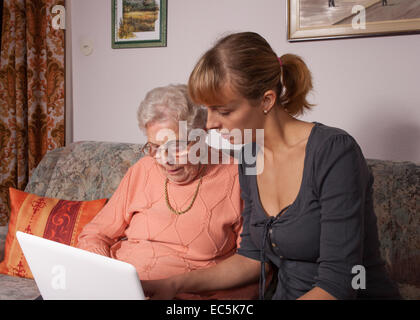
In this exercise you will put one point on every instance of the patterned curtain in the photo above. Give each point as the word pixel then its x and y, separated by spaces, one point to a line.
pixel 1 17
pixel 31 92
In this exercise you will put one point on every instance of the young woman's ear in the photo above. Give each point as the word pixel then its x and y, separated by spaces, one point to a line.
pixel 269 100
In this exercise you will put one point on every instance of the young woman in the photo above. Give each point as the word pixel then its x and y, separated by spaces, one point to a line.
pixel 308 213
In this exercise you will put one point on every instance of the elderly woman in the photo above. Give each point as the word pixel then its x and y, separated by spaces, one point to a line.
pixel 168 216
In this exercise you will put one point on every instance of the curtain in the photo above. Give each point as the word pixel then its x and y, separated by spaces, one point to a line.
pixel 31 92
pixel 1 19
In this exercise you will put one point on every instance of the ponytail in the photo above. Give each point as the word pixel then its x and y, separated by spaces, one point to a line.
pixel 296 82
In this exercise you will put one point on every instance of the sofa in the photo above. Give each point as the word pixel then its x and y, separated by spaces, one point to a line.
pixel 92 170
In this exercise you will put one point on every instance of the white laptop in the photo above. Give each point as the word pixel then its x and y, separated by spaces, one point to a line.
pixel 62 272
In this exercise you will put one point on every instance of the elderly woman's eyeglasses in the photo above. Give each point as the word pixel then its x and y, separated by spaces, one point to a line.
pixel 171 149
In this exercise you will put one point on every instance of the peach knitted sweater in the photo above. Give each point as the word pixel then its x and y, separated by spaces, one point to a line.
pixel 137 227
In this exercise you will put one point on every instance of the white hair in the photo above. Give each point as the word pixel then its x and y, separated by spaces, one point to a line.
pixel 171 103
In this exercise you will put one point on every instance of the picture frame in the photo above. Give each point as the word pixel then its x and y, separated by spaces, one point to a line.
pixel 336 19
pixel 139 23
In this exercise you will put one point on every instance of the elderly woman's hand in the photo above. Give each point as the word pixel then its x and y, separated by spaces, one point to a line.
pixel 163 289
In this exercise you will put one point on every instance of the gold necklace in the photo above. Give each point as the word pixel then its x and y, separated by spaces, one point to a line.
pixel 191 204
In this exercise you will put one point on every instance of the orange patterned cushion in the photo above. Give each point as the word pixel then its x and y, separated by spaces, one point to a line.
pixel 54 219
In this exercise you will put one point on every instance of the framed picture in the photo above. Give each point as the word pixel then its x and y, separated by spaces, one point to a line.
pixel 331 19
pixel 139 23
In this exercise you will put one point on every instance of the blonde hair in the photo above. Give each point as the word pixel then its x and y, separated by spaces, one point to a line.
pixel 171 103
pixel 248 63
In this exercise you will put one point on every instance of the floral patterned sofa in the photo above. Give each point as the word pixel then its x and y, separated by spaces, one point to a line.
pixel 93 170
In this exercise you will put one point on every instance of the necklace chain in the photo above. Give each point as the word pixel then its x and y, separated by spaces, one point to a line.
pixel 191 204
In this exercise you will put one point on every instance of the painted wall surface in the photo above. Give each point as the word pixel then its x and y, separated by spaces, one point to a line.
pixel 367 86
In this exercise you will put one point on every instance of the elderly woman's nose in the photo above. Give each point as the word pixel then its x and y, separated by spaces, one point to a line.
pixel 166 160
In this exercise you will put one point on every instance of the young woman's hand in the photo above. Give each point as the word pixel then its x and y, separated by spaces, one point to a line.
pixel 241 271
pixel 163 289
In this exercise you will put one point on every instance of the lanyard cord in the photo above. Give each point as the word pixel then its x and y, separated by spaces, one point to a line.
pixel 267 225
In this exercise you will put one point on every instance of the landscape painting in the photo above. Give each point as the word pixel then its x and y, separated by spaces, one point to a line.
pixel 329 19
pixel 139 23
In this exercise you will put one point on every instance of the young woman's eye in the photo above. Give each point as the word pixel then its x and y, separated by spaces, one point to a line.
pixel 224 113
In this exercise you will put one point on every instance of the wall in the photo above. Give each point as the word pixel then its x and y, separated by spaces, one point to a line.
pixel 367 86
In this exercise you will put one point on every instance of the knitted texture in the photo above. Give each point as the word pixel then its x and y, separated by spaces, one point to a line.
pixel 159 243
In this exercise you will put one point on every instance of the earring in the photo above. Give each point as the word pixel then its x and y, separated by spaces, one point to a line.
pixel 265 111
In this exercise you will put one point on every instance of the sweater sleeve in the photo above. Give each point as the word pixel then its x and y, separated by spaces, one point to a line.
pixel 341 179
pixel 110 223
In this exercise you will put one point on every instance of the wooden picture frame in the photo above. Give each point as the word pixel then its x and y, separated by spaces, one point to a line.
pixel 139 23
pixel 334 19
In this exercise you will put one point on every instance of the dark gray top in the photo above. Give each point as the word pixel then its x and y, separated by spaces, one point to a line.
pixel 328 229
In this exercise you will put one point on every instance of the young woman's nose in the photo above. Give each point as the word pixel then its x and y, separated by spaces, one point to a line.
pixel 212 121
